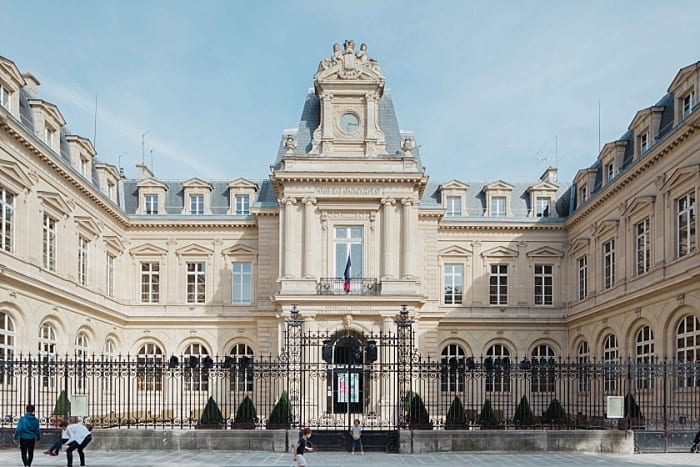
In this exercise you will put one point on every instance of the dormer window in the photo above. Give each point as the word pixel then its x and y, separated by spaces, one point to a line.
pixel 197 205
pixel 498 206
pixel 241 195
pixel 688 102
pixel 610 172
pixel 454 206
pixel 582 195
pixel 498 196
pixel 542 208
pixel 49 134
pixel 5 95
pixel 242 205
pixel 111 190
pixel 453 194
pixel 151 204
pixel 84 167
pixel 644 142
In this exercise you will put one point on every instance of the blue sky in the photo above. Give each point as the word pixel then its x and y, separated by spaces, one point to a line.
pixel 490 88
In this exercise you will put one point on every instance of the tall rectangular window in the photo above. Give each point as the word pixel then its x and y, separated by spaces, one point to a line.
pixel 688 102
pixel 242 205
pixel 582 195
pixel 498 206
pixel 49 136
pixel 151 206
pixel 197 205
pixel 84 167
pixel 642 248
pixel 453 284
pixel 685 215
pixel 610 172
pixel 582 263
pixel 49 243
pixel 150 282
pixel 109 275
pixel 543 284
pixel 5 97
pixel 82 260
pixel 542 207
pixel 348 241
pixel 498 284
pixel 644 142
pixel 242 283
pixel 196 286
pixel 7 205
pixel 454 206
pixel 608 264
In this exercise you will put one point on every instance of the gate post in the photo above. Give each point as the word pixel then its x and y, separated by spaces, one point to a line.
pixel 293 347
pixel 405 353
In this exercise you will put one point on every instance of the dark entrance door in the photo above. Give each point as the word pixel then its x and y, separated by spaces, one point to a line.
pixel 347 378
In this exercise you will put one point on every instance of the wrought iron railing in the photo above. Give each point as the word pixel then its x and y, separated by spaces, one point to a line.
pixel 355 286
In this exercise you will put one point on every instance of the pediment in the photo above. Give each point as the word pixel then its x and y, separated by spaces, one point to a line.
pixel 196 183
pixel 683 74
pixel 194 250
pixel 455 250
pixel 640 203
pixel 500 252
pixel 642 115
pixel 148 249
pixel 612 148
pixel 584 174
pixel 84 143
pixel 680 175
pixel 151 183
pixel 543 186
pixel 239 249
pixel 243 183
pixel 454 185
pixel 8 68
pixel 114 244
pixel 498 185
pixel 579 244
pixel 49 109
pixel 605 227
pixel 545 252
pixel 54 202
pixel 88 225
pixel 13 174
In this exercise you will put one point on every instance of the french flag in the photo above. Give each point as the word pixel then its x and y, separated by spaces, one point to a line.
pixel 346 275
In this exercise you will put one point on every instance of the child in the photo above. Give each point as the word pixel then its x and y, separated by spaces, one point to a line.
pixel 301 447
pixel 56 448
pixel 356 432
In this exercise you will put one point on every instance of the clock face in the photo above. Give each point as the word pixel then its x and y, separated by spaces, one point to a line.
pixel 349 123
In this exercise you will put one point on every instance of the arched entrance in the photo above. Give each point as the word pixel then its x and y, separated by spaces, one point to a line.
pixel 346 373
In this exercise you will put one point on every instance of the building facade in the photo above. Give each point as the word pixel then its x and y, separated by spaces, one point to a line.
pixel 346 231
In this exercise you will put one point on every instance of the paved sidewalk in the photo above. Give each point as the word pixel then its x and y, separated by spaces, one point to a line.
pixel 11 457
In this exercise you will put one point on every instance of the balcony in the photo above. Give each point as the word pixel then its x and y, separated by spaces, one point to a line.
pixel 358 286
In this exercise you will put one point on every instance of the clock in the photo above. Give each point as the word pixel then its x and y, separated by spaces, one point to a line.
pixel 349 123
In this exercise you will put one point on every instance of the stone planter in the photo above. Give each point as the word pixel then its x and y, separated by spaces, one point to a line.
pixel 243 426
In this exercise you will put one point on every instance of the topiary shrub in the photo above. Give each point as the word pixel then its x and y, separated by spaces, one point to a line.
pixel 523 414
pixel 555 414
pixel 281 415
pixel 456 418
pixel 487 417
pixel 61 410
pixel 246 415
pixel 211 416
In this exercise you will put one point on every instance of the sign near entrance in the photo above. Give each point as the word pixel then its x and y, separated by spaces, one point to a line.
pixel 348 387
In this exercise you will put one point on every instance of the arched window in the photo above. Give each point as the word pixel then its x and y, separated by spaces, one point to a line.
pixel 242 369
pixel 584 374
pixel 109 350
pixel 610 361
pixel 543 366
pixel 47 354
pixel 644 356
pixel 453 366
pixel 688 350
pixel 497 365
pixel 149 368
pixel 197 362
pixel 81 355
pixel 7 347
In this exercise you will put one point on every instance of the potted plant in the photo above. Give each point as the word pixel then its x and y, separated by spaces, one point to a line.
pixel 487 417
pixel 555 414
pixel 211 418
pixel 61 410
pixel 523 414
pixel 417 417
pixel 281 415
pixel 456 418
pixel 246 415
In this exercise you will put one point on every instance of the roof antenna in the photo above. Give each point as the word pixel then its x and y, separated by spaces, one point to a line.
pixel 143 146
pixel 598 126
pixel 153 169
pixel 94 134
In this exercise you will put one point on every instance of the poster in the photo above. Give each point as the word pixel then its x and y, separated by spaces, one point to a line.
pixel 348 387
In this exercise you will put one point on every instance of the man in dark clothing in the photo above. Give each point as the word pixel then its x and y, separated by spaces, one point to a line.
pixel 28 433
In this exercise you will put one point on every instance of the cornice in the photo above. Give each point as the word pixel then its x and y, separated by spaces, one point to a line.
pixel 501 226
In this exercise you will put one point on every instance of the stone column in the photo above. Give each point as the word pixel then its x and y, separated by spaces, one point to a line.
pixel 388 270
pixel 409 230
pixel 309 206
pixel 289 243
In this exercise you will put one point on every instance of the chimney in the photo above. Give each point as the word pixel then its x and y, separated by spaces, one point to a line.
pixel 549 175
pixel 143 172
pixel 32 83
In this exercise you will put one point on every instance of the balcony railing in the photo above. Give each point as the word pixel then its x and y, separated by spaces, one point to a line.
pixel 357 286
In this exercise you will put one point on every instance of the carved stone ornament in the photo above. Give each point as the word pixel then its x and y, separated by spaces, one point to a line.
pixel 349 64
pixel 408 145
pixel 290 144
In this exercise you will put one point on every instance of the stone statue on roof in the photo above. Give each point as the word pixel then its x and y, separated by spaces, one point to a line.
pixel 347 63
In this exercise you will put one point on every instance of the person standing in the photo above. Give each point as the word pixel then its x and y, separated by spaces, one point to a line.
pixel 79 436
pixel 27 433
pixel 301 447
pixel 356 432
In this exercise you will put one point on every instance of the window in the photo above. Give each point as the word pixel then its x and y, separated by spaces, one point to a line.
pixel 109 275
pixel 543 284
pixel 453 366
pixel 498 206
pixel 196 373
pixel 47 354
pixel 109 350
pixel 151 204
pixel 608 264
pixel 49 243
pixel 196 286
pixel 542 207
pixel 610 171
pixel 582 277
pixel 498 284
pixel 497 366
pixel 150 282
pixel 84 167
pixel 610 361
pixel 582 195
pixel 49 136
pixel 688 102
pixel 685 214
pixel 543 368
pixel 242 205
pixel 149 368
pixel 82 260
pixel 454 206
pixel 7 347
pixel 644 142
pixel 7 202
pixel 642 247
pixel 453 284
pixel 111 190
pixel 644 355
pixel 242 283
pixel 348 243
pixel 81 349
pixel 242 368
pixel 688 351
pixel 5 95
pixel 584 374
pixel 197 205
